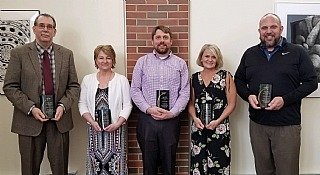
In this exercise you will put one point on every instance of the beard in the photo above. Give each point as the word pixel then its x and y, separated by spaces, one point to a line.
pixel 162 48
pixel 269 43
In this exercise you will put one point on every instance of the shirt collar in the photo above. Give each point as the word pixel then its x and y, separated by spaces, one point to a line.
pixel 41 50
pixel 162 58
pixel 280 44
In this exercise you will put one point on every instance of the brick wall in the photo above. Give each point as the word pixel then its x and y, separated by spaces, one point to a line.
pixel 141 17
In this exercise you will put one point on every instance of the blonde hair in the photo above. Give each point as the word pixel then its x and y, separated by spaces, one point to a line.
pixel 216 52
pixel 108 50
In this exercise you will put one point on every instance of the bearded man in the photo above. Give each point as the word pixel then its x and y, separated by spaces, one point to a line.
pixel 283 73
pixel 160 89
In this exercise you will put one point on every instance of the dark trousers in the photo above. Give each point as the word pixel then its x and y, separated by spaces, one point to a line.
pixel 32 150
pixel 276 149
pixel 158 140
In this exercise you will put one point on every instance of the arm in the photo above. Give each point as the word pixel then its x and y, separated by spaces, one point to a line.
pixel 136 85
pixel 192 110
pixel 71 95
pixel 87 116
pixel 240 80
pixel 241 84
pixel 127 105
pixel 22 91
pixel 231 94
pixel 12 85
pixel 184 93
pixel 308 79
pixel 82 105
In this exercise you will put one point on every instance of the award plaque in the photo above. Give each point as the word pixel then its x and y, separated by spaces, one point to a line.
pixel 264 96
pixel 103 117
pixel 47 106
pixel 206 113
pixel 163 99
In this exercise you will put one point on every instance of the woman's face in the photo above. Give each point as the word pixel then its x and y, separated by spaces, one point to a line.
pixel 208 59
pixel 104 61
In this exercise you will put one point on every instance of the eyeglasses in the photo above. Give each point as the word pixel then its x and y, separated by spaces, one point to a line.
pixel 43 26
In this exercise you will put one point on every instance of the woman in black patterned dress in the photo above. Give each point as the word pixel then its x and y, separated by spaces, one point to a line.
pixel 213 99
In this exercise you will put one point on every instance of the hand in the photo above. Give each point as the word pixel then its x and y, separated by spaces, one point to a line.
pixel 112 127
pixel 213 124
pixel 198 123
pixel 38 115
pixel 253 101
pixel 154 110
pixel 59 113
pixel 159 113
pixel 275 104
pixel 96 126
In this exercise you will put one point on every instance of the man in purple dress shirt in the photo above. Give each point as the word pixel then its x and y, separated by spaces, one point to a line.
pixel 158 128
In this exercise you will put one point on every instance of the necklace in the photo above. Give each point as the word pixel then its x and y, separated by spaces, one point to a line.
pixel 104 79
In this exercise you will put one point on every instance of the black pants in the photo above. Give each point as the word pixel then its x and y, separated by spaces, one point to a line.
pixel 32 150
pixel 158 140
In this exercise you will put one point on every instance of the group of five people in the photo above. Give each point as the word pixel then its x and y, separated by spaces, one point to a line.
pixel 161 89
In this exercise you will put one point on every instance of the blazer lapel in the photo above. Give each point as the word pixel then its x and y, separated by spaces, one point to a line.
pixel 58 56
pixel 34 58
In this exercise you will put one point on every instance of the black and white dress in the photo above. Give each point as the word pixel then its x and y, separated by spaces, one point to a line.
pixel 210 149
pixel 106 152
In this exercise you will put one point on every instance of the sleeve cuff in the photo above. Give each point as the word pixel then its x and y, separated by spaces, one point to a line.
pixel 64 109
pixel 29 112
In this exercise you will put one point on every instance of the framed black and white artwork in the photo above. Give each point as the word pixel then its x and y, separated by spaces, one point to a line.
pixel 15 30
pixel 301 25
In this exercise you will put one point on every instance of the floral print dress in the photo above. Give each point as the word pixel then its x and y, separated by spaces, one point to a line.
pixel 210 149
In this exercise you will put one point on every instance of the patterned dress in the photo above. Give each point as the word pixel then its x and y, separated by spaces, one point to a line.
pixel 106 153
pixel 210 149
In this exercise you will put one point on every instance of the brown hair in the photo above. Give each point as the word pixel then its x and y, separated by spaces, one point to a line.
pixel 45 15
pixel 162 28
pixel 107 49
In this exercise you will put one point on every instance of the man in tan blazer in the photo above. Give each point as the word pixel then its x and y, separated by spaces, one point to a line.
pixel 24 85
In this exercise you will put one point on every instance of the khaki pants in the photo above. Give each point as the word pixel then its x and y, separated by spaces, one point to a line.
pixel 276 149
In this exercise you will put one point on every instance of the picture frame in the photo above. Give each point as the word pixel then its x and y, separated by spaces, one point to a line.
pixel 297 25
pixel 16 29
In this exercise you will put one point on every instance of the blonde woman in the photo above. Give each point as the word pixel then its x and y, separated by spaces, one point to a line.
pixel 213 99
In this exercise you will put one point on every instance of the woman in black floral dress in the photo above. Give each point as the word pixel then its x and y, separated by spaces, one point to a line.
pixel 213 99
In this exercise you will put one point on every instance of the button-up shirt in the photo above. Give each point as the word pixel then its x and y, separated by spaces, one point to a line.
pixel 269 54
pixel 152 73
pixel 52 62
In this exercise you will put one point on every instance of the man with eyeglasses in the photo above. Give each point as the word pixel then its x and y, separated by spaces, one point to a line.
pixel 41 82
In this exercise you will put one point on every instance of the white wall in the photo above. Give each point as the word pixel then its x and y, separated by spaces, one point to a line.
pixel 232 25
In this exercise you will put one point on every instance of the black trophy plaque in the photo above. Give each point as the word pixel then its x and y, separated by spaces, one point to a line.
pixel 163 99
pixel 206 113
pixel 47 106
pixel 103 117
pixel 264 96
